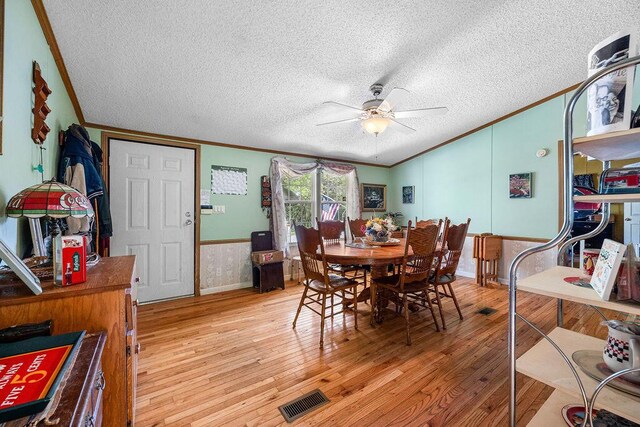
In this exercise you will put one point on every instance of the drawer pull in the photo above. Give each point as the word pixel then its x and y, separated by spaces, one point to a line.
pixel 138 348
pixel 89 421
pixel 136 303
pixel 100 381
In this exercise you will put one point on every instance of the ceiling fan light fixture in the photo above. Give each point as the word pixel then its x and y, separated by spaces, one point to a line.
pixel 375 125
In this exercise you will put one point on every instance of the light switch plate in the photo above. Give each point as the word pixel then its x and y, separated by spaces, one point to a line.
pixel 218 209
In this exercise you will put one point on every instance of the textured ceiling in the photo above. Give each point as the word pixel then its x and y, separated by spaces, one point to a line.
pixel 256 73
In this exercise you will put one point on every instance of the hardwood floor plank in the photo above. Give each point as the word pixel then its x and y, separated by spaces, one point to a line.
pixel 233 358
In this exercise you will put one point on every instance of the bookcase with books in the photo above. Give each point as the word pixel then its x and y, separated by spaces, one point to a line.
pixel 556 359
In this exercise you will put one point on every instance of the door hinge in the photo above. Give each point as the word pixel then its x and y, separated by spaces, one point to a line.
pixel 128 350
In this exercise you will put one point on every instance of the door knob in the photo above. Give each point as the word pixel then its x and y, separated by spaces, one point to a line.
pixel 189 222
pixel 627 219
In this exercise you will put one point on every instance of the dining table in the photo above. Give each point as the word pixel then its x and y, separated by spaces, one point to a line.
pixel 377 257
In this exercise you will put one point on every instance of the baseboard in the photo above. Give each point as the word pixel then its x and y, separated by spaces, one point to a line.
pixel 231 287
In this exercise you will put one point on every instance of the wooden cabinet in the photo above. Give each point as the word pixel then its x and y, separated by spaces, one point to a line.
pixel 103 303
pixel 80 395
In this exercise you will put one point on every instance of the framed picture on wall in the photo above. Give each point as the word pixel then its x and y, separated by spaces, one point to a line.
pixel 407 194
pixel 373 197
pixel 520 185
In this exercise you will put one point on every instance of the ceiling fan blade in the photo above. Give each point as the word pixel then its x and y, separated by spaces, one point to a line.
pixel 421 112
pixel 395 97
pixel 342 107
pixel 357 119
pixel 401 127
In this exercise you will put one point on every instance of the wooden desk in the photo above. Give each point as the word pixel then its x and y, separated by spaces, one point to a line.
pixel 80 394
pixel 102 303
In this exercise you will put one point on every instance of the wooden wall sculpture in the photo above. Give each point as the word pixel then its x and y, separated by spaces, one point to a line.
pixel 40 109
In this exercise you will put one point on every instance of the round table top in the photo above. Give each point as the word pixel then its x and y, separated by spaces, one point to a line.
pixel 339 253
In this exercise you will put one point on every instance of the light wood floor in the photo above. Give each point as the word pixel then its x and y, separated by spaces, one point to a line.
pixel 232 359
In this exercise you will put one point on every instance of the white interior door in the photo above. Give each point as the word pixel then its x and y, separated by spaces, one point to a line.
pixel 632 224
pixel 152 204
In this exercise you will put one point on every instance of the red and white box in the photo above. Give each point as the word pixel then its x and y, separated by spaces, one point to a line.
pixel 74 260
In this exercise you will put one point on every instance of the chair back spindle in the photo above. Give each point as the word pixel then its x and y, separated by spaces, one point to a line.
pixel 308 243
pixel 422 242
pixel 331 231
pixel 453 244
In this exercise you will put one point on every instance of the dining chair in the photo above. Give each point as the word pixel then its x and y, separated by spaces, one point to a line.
pixel 357 227
pixel 410 286
pixel 320 284
pixel 331 233
pixel 445 273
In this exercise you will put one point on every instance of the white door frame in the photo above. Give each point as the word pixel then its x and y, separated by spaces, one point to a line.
pixel 106 142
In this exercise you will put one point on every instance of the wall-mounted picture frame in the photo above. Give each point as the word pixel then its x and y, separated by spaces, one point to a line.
pixel 373 197
pixel 521 185
pixel 408 194
pixel 20 268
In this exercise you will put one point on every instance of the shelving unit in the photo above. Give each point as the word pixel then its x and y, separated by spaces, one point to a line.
pixel 608 198
pixel 551 283
pixel 544 361
pixel 610 146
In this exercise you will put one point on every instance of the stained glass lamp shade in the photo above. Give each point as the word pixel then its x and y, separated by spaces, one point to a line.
pixel 49 199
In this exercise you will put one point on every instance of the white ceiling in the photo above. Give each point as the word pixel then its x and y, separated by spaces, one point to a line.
pixel 255 73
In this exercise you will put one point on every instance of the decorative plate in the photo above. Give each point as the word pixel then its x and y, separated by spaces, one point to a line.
pixel 592 364
pixel 573 415
pixel 390 242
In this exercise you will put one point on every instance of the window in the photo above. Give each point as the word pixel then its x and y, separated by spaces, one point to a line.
pixel 319 194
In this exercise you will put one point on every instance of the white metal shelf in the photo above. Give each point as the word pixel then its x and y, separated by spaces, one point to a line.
pixel 552 284
pixel 543 363
pixel 610 146
pixel 611 198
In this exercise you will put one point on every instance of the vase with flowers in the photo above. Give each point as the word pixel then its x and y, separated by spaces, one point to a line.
pixel 379 229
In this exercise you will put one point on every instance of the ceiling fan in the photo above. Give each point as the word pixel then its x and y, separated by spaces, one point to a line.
pixel 378 114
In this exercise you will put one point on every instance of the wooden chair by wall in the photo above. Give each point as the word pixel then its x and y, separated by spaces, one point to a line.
pixel 331 233
pixel 411 284
pixel 320 284
pixel 445 273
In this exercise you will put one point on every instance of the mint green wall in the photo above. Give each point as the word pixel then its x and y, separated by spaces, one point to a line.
pixel 515 142
pixel 469 177
pixel 243 214
pixel 24 43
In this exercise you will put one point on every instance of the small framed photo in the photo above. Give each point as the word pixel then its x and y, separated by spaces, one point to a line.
pixel 521 185
pixel 20 268
pixel 407 194
pixel 373 197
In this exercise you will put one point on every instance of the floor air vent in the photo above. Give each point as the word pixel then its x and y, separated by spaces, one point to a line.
pixel 303 405
pixel 487 311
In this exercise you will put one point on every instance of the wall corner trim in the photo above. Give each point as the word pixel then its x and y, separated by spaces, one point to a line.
pixel 45 24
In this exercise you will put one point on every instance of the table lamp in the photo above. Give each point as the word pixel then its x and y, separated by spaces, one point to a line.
pixel 51 200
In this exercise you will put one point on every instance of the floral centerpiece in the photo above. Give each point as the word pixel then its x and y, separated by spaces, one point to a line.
pixel 379 229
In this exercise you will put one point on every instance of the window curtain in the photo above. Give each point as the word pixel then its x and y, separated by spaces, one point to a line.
pixel 281 166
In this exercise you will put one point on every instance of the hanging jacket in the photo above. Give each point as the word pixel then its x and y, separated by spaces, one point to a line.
pixel 81 167
pixel 77 163
pixel 104 211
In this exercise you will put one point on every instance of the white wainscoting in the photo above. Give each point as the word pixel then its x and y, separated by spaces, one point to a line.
pixel 227 266
pixel 510 249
